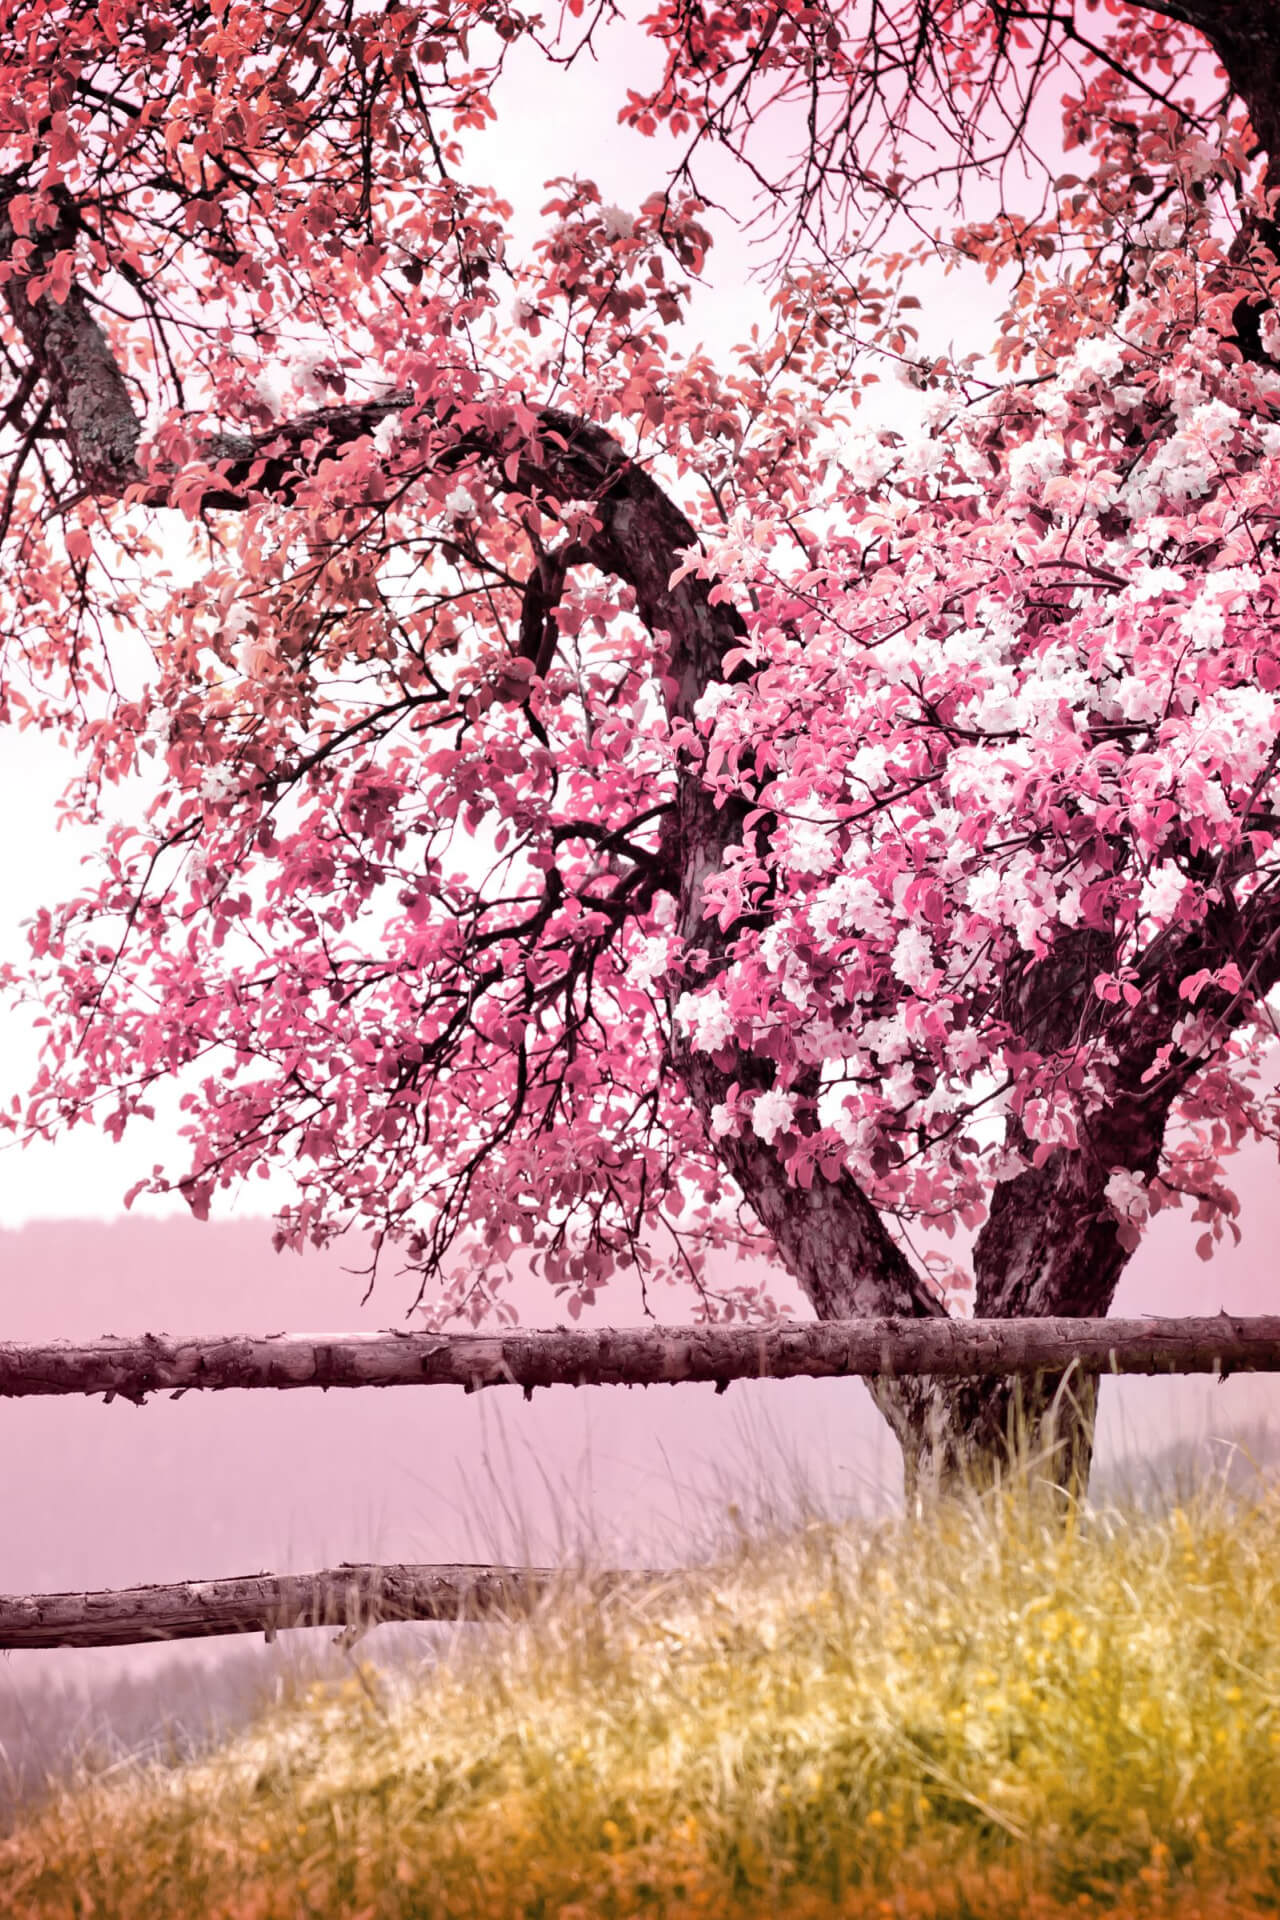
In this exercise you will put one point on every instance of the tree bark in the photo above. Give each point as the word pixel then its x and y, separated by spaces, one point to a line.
pixel 902 1349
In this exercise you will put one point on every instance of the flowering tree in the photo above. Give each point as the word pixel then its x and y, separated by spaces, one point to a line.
pixel 611 804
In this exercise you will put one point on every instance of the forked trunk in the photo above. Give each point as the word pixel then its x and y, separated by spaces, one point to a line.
pixel 974 1434
pixel 1050 1245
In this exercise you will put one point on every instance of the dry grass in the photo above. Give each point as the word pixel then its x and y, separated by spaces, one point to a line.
pixel 975 1713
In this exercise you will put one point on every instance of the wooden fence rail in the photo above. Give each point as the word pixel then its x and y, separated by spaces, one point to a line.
pixel 131 1368
pixel 353 1597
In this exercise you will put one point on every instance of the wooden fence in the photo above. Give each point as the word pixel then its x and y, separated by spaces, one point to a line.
pixel 357 1597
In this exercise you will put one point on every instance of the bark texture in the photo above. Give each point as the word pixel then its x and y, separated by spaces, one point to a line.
pixel 884 1349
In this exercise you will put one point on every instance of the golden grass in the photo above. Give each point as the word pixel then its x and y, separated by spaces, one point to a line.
pixel 973 1714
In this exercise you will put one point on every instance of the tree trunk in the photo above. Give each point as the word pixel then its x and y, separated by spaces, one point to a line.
pixel 975 1433
pixel 1050 1246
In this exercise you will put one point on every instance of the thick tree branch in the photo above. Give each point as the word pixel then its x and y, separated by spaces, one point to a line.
pixel 1050 1243
pixel 71 352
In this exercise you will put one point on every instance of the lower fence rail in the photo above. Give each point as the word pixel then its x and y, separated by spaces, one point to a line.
pixel 353 1596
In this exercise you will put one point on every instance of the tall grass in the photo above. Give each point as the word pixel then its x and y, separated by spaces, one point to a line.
pixel 970 1712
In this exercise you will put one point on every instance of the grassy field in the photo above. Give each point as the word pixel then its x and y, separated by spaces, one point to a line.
pixel 973 1713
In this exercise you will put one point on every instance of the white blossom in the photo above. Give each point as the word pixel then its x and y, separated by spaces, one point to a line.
pixel 796 986
pixel 868 765
pixel 913 962
pixel 460 504
pixel 1232 585
pixel 809 848
pixel 709 702
pixel 1069 903
pixel 1204 622
pixel 650 960
pixel 270 384
pixel 1157 233
pixel 921 454
pixel 1161 891
pixel 997 709
pixel 1034 462
pixel 705 1018
pixel 722 1121
pixel 773 947
pixel 303 375
pixel 851 903
pixel 1237 725
pixel 1099 356
pixel 984 892
pixel 899 1086
pixel 617 223
pixel 771 1113
pixel 1196 158
pixel 974 462
pixel 386 433
pixel 982 776
pixel 217 783
pixel 1138 701
pixel 1152 583
pixel 1182 469
pixel 887 1039
pixel 865 457
pixel 1127 1195
pixel 1214 421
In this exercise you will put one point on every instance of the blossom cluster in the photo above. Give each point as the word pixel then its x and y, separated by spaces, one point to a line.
pixel 1044 632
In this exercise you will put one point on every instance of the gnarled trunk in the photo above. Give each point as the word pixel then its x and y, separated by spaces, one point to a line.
pixel 971 1434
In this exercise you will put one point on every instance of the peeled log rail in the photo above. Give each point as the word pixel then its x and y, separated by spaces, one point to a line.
pixel 131 1368
pixel 349 1596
